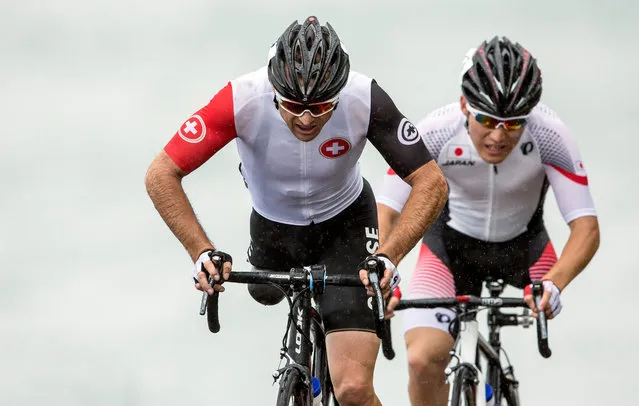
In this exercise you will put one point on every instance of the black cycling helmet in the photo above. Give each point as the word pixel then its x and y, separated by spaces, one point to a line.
pixel 309 64
pixel 501 79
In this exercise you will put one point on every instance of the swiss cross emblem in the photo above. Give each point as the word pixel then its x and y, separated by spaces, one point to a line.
pixel 193 129
pixel 334 147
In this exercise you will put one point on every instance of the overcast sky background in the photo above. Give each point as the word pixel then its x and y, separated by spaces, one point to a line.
pixel 96 302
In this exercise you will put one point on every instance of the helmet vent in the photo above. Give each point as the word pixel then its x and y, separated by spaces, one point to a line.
pixel 310 64
pixel 501 78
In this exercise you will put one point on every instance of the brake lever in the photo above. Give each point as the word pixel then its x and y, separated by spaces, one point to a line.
pixel 205 299
pixel 211 303
pixel 542 322
pixel 382 326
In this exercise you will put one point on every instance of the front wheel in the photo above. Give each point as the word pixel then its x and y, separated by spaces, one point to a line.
pixel 293 390
pixel 464 389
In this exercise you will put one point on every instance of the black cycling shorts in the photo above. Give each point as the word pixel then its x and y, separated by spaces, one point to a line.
pixel 472 261
pixel 340 243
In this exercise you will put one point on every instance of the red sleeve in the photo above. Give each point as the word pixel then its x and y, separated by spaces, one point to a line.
pixel 204 133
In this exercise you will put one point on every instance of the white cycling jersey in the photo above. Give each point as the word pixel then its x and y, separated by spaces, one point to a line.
pixel 291 181
pixel 496 203
pixel 296 182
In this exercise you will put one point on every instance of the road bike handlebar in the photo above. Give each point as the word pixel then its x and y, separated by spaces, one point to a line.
pixel 314 279
pixel 474 302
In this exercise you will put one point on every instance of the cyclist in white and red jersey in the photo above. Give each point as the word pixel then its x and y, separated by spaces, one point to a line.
pixel 500 150
pixel 301 124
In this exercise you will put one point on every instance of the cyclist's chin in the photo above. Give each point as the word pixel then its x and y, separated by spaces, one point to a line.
pixel 493 156
pixel 306 134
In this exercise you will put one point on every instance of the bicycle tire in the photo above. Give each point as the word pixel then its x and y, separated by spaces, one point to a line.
pixel 293 391
pixel 463 391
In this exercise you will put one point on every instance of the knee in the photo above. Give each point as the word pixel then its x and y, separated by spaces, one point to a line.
pixel 429 356
pixel 427 364
pixel 265 294
pixel 354 390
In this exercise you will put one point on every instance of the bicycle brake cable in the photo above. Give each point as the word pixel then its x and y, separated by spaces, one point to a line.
pixel 290 321
pixel 455 323
pixel 502 350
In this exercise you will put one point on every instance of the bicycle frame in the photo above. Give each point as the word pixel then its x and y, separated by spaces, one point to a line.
pixel 320 360
pixel 303 349
pixel 470 344
pixel 309 357
pixel 465 353
pixel 491 349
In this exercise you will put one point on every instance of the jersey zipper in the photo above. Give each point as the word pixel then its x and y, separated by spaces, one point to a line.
pixel 491 198
pixel 305 207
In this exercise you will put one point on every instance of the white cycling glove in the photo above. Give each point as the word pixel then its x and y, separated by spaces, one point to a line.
pixel 199 264
pixel 555 300
pixel 396 278
pixel 206 256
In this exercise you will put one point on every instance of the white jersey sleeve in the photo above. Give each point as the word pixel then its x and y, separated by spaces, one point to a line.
pixel 564 167
pixel 394 191
pixel 435 133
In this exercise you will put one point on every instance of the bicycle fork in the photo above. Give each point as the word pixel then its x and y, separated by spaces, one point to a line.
pixel 464 354
pixel 298 350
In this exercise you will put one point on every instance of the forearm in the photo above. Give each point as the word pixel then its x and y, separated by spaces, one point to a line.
pixel 577 253
pixel 165 190
pixel 425 202
pixel 386 219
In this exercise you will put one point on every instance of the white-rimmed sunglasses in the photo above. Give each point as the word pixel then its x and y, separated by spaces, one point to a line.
pixel 315 109
pixel 493 122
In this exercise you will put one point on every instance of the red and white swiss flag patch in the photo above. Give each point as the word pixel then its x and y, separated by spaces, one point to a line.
pixel 459 151
pixel 334 147
pixel 193 130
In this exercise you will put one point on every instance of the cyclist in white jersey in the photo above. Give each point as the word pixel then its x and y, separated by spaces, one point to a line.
pixel 499 149
pixel 301 124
